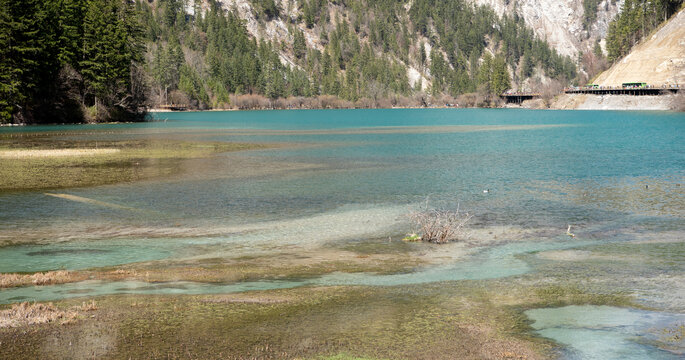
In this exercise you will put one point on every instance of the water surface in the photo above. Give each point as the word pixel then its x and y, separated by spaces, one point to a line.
pixel 341 176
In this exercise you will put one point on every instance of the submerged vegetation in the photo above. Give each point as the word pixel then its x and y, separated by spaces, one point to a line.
pixel 433 321
pixel 23 167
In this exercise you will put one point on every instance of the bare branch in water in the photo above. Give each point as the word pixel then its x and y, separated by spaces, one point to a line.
pixel 439 225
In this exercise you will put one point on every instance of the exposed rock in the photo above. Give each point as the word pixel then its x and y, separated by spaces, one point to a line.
pixel 613 102
pixel 560 21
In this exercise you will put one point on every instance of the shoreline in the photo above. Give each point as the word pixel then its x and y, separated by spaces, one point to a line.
pixel 561 102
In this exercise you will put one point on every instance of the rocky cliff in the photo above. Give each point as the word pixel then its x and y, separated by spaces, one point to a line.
pixel 561 21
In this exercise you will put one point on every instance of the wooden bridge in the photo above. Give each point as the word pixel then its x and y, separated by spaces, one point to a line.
pixel 518 97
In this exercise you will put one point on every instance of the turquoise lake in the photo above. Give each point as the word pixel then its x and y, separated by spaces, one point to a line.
pixel 346 176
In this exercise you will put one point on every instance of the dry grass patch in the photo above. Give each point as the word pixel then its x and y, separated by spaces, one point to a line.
pixel 29 314
pixel 22 154
pixel 88 306
pixel 46 278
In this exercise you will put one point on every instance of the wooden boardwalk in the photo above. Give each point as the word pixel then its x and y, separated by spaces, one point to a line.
pixel 519 97
pixel 624 90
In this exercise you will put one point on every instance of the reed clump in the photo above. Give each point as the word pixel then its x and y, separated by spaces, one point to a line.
pixel 88 306
pixel 46 278
pixel 34 313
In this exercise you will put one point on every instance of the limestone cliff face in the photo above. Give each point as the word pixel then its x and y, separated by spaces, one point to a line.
pixel 560 21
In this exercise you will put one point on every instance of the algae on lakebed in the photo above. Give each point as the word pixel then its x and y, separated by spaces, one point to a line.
pixel 301 265
pixel 307 322
pixel 466 319
pixel 134 160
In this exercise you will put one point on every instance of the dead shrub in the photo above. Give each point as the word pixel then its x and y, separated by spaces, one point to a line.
pixel 364 103
pixel 9 280
pixel 468 100
pixel 438 226
pixel 383 103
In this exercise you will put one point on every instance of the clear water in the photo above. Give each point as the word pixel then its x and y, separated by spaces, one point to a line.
pixel 354 174
pixel 605 332
pixel 489 264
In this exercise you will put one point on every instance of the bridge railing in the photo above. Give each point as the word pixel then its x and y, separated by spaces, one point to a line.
pixel 522 93
pixel 618 88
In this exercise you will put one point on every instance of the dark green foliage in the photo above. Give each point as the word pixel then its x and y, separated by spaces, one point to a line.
pixel 166 66
pixel 638 18
pixel 589 12
pixel 526 65
pixel 597 50
pixel 30 55
pixel 61 54
pixel 465 30
pixel 299 45
pixel 173 13
pixel 112 42
pixel 60 57
pixel 314 11
pixel 500 76
pixel 268 8
pixel 485 74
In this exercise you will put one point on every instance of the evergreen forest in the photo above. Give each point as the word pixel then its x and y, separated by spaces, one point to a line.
pixel 637 19
pixel 109 60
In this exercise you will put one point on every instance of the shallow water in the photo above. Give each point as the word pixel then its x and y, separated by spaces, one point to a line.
pixel 344 176
pixel 605 332
pixel 491 263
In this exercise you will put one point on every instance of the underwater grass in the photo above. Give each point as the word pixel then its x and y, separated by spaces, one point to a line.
pixel 462 319
pixel 134 160
pixel 256 268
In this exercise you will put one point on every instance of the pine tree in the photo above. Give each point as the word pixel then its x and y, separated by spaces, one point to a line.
pixel 112 43
pixel 29 48
pixel 71 16
pixel 500 76
pixel 485 74
pixel 9 72
pixel 299 45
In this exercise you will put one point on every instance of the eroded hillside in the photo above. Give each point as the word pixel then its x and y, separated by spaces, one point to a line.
pixel 658 60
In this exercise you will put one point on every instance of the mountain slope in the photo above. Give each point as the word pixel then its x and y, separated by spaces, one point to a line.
pixel 563 23
pixel 351 49
pixel 659 60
